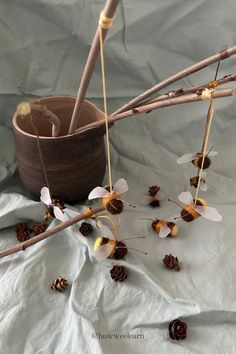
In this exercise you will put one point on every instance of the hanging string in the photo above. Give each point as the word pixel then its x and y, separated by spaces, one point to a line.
pixel 206 95
pixel 104 23
pixel 24 110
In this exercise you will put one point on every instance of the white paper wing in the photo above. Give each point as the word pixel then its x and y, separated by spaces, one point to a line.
pixel 106 232
pixel 59 215
pixel 121 186
pixel 209 213
pixel 164 231
pixel 186 158
pixel 45 196
pixel 213 153
pixel 160 195
pixel 97 192
pixel 185 197
pixel 203 186
pixel 103 252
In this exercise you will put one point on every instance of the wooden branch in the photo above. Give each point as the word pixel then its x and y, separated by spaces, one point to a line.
pixel 173 101
pixel 193 89
pixel 226 53
pixel 23 245
pixel 150 107
pixel 108 11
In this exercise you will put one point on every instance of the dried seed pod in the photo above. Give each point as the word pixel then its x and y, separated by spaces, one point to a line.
pixel 118 273
pixel 178 330
pixel 171 262
pixel 59 284
pixel 38 228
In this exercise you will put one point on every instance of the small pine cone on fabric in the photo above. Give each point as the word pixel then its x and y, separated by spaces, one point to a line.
pixel 153 190
pixel 22 235
pixel 22 227
pixel 38 228
pixel 171 262
pixel 85 228
pixel 177 330
pixel 118 273
pixel 22 232
pixel 59 284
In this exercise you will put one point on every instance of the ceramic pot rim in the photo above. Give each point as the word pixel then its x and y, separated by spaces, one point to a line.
pixel 55 98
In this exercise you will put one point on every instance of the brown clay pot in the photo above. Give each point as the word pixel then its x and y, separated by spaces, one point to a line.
pixel 74 164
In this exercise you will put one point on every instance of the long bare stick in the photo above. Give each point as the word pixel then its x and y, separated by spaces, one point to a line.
pixel 165 103
pixel 108 11
pixel 23 245
pixel 226 53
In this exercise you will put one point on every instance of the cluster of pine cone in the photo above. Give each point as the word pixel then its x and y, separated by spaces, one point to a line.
pixel 23 231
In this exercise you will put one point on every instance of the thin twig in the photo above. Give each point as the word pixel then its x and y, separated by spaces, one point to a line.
pixel 44 113
pixel 23 245
pixel 226 53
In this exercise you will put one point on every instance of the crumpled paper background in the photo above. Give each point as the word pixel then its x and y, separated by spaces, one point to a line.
pixel 44 45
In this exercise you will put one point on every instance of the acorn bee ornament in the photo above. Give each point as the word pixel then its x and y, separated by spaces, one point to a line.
pixel 107 245
pixel 54 207
pixel 111 198
pixel 154 196
pixel 195 208
pixel 197 158
pixel 164 228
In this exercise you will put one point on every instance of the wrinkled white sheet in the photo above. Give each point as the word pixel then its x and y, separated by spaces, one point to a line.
pixel 40 46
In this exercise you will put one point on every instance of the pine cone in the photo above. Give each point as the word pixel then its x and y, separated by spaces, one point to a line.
pixel 22 235
pixel 22 232
pixel 22 227
pixel 38 228
pixel 118 273
pixel 121 250
pixel 171 262
pixel 59 284
pixel 153 190
pixel 177 330
pixel 85 229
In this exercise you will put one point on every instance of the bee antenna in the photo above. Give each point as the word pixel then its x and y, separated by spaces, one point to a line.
pixel 146 219
pixel 132 238
pixel 135 250
pixel 177 218
pixel 210 150
pixel 131 205
pixel 172 201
